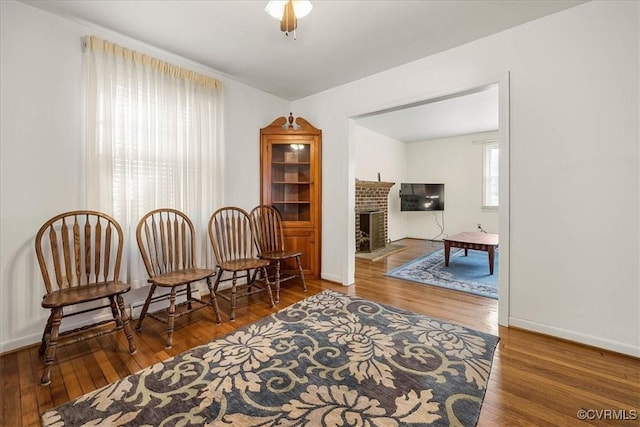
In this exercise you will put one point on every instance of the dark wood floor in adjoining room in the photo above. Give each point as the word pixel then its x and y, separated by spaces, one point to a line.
pixel 535 380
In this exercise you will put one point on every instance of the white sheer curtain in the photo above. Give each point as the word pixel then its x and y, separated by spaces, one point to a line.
pixel 153 135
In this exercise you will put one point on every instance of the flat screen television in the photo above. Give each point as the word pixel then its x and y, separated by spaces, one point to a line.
pixel 421 197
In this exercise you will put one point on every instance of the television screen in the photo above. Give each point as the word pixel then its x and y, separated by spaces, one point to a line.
pixel 421 197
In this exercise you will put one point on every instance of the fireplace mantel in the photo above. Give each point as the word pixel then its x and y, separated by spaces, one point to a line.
pixel 374 184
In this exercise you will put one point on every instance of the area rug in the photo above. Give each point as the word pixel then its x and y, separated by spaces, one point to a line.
pixel 328 360
pixel 465 273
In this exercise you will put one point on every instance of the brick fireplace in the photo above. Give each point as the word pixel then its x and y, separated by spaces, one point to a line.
pixel 371 197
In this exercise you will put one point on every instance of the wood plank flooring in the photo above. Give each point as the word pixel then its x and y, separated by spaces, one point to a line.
pixel 535 381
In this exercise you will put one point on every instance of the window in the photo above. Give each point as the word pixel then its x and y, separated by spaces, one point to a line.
pixel 153 141
pixel 491 176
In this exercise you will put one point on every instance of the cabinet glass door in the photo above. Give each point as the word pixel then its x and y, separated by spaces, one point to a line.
pixel 291 180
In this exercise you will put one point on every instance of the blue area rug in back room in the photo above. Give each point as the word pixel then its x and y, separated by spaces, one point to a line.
pixel 465 273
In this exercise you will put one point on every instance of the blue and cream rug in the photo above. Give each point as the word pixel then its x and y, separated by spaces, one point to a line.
pixel 465 273
pixel 329 360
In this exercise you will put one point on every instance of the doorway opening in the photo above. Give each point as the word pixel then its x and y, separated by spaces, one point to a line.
pixel 444 117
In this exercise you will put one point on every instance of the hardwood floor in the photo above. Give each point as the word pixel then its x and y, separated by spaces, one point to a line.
pixel 535 381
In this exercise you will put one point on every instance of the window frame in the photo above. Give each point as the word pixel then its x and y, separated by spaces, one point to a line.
pixel 489 174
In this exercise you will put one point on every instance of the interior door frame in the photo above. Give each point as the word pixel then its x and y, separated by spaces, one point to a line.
pixel 504 138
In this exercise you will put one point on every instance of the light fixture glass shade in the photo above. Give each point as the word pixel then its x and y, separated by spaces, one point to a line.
pixel 301 8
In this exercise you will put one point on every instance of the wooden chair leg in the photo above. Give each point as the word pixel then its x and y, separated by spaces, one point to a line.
pixel 171 317
pixel 124 318
pixel 277 280
pixel 189 297
pixel 45 334
pixel 145 307
pixel 50 355
pixel 114 312
pixel 218 278
pixel 304 284
pixel 234 296
pixel 251 279
pixel 266 281
pixel 214 301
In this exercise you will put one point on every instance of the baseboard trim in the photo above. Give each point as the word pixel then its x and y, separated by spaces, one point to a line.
pixel 160 302
pixel 332 278
pixel 132 307
pixel 21 343
pixel 576 337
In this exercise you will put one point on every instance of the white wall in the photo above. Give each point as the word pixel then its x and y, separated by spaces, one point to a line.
pixel 574 163
pixel 42 158
pixel 376 153
pixel 455 162
pixel 246 111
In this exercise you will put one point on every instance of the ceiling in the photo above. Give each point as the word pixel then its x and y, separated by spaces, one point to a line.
pixel 338 42
pixel 458 115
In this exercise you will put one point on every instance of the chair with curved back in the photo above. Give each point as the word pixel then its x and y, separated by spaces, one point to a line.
pixel 79 253
pixel 231 235
pixel 166 239
pixel 269 239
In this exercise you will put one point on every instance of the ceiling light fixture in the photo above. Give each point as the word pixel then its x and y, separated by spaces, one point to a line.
pixel 288 12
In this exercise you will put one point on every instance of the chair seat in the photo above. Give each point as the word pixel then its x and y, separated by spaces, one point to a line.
pixel 182 277
pixel 276 255
pixel 86 293
pixel 243 264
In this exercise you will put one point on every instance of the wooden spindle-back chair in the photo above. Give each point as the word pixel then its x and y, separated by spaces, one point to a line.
pixel 166 239
pixel 231 235
pixel 79 254
pixel 268 236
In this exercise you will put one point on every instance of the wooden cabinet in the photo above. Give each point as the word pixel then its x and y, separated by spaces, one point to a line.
pixel 290 179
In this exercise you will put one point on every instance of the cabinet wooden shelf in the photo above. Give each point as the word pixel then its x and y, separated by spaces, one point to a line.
pixel 290 163
pixel 280 183
pixel 290 180
pixel 288 201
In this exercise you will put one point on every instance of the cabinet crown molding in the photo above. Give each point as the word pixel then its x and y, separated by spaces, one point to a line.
pixel 282 125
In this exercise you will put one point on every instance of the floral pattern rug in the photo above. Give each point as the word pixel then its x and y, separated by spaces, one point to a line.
pixel 465 273
pixel 328 360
